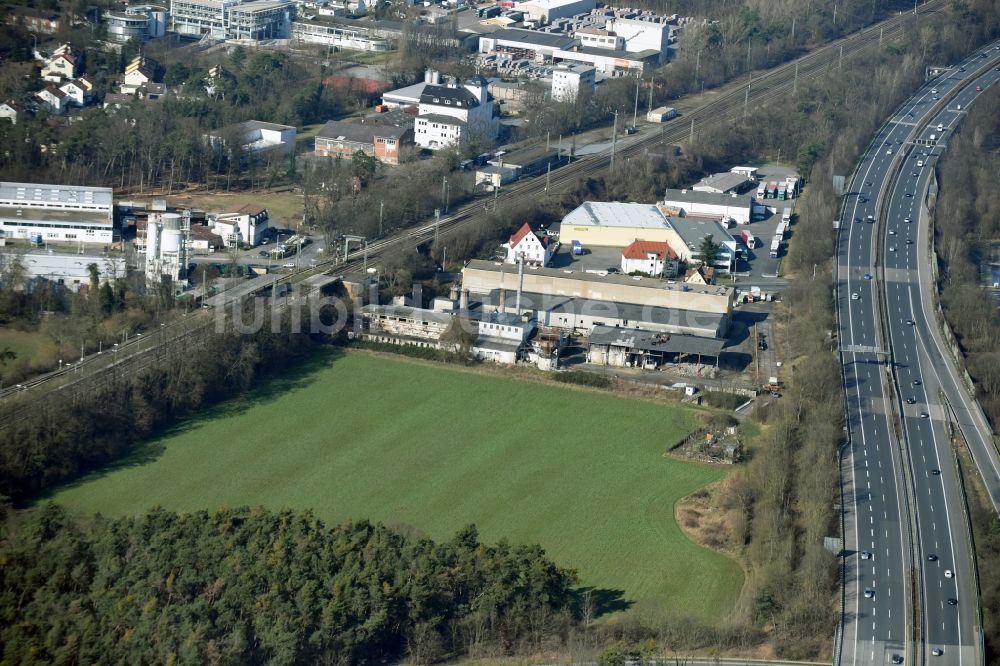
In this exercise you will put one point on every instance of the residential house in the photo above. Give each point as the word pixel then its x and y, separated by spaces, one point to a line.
pixel 141 70
pixel 116 100
pixel 77 91
pixel 53 99
pixel 152 92
pixel 381 141
pixel 10 111
pixel 65 63
pixel 650 257
pixel 257 136
pixel 452 114
pixel 242 225
pixel 217 77
pixel 701 275
pixel 531 248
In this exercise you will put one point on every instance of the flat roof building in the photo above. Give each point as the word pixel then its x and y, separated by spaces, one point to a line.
pixel 232 19
pixel 547 11
pixel 723 183
pixel 739 208
pixel 533 44
pixel 614 224
pixel 634 347
pixel 687 234
pixel 43 213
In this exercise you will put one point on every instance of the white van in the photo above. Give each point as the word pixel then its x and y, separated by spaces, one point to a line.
pixel 920 163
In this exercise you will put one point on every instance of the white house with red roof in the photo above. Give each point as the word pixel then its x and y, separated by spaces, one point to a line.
pixel 531 248
pixel 650 257
pixel 64 64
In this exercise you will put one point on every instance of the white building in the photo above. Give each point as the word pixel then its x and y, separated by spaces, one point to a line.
pixel 139 72
pixel 243 225
pixel 688 233
pixel 642 35
pixel 649 257
pixel 568 81
pixel 334 33
pixel 77 91
pixel 257 136
pixel 166 248
pixel 10 110
pixel 137 22
pixel 739 208
pixel 64 64
pixel 452 114
pixel 527 246
pixel 547 11
pixel 42 213
pixel 55 100
pixel 722 183
pixel 232 19
pixel 532 44
pixel 502 337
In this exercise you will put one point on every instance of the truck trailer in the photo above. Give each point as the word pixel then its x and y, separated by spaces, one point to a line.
pixel 775 246
pixel 748 239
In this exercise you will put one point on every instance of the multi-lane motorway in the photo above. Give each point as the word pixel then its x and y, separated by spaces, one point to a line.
pixel 909 562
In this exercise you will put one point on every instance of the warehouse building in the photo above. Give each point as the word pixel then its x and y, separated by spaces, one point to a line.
pixel 403 325
pixel 739 208
pixel 614 224
pixel 547 11
pixel 723 183
pixel 72 270
pixel 530 44
pixel 686 235
pixel 637 348
pixel 47 213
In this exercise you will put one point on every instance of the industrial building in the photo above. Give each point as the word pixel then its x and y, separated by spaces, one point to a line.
pixel 569 81
pixel 723 183
pixel 381 141
pixel 45 213
pixel 257 136
pixel 502 337
pixel 637 348
pixel 739 208
pixel 166 248
pixel 332 32
pixel 547 11
pixel 614 224
pixel 576 291
pixel 233 19
pixel 71 270
pixel 241 225
pixel 530 44
pixel 400 324
pixel 686 234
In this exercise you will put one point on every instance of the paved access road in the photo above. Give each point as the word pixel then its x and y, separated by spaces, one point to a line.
pixel 887 543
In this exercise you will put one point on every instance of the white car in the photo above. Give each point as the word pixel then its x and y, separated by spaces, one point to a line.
pixel 855 297
pixel 937 652
pixel 869 593
pixel 948 573
pixel 290 264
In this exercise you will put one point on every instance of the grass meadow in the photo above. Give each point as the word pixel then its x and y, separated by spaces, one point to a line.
pixel 359 436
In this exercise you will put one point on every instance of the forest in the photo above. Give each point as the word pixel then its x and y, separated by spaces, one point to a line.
pixel 254 586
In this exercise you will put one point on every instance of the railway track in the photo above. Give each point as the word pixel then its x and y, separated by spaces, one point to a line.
pixel 729 104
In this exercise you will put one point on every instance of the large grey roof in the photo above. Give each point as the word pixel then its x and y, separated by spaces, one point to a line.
pixel 693 230
pixel 406 312
pixel 359 132
pixel 459 96
pixel 533 37
pixel 42 194
pixel 690 196
pixel 671 343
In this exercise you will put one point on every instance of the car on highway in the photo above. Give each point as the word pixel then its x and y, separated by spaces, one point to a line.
pixel 937 652
pixel 935 472
pixel 892 248
pixel 888 151
pixel 865 555
pixel 870 218
pixel 924 415
pixel 868 276
pixel 911 401
pixel 290 264
pixel 909 322
pixel 916 382
pixel 952 601
pixel 907 220
pixel 907 194
pixel 869 593
pixel 909 241
pixel 979 89
pixel 897 659
pixel 855 297
pixel 914 173
pixel 931 557
pixel 892 232
pixel 948 573
pixel 934 91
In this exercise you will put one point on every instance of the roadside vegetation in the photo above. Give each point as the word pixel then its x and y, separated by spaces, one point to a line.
pixel 967 234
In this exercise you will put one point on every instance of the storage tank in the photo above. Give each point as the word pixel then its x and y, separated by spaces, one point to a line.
pixel 171 238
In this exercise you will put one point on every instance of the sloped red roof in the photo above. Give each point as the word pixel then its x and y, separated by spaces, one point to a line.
pixel 370 86
pixel 641 249
pixel 520 234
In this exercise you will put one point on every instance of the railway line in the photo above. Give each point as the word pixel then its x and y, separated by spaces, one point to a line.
pixel 731 102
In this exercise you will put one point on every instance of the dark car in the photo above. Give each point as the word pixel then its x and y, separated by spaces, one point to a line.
pixel 936 472
pixel 931 557
pixel 916 382
pixel 952 601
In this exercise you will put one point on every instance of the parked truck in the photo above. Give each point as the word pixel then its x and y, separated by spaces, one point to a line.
pixel 748 239
pixel 775 246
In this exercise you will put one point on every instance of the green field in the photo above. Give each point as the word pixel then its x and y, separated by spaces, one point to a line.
pixel 32 349
pixel 402 442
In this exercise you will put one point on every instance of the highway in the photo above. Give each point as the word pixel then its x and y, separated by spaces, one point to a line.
pixel 904 522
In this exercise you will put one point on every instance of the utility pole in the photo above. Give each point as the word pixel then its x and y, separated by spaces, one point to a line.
pixel 881 31
pixel 614 139
pixel 746 101
pixel 444 186
pixel 548 172
pixel 649 98
pixel 697 65
pixel 795 82
pixel 559 149
pixel 547 141
pixel 835 14
pixel 635 111
pixel 840 62
pixel 437 225
pixel 749 44
pixel 793 29
pixel 691 139
pixel 381 209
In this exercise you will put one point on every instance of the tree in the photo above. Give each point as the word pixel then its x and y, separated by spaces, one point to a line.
pixel 709 251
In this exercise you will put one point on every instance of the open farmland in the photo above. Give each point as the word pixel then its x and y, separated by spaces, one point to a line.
pixel 402 442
